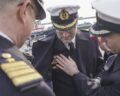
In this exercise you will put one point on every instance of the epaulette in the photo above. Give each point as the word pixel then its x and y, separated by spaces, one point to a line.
pixel 21 75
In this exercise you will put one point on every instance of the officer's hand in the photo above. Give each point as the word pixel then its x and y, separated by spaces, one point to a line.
pixel 68 65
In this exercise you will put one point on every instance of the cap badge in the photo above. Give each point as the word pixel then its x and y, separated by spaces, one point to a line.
pixel 64 15
pixel 9 60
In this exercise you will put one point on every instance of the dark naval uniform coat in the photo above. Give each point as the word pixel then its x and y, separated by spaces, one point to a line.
pixel 17 76
pixel 107 83
pixel 86 56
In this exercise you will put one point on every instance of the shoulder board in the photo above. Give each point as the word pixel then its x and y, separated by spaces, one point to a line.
pixel 21 75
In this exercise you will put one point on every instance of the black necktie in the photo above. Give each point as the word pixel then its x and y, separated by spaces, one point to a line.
pixel 71 45
pixel 72 51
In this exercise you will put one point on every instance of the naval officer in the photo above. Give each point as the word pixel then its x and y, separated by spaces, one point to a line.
pixel 107 28
pixel 69 41
pixel 17 76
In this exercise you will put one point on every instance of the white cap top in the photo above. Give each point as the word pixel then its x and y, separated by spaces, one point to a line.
pixel 108 10
pixel 64 16
pixel 55 11
pixel 108 17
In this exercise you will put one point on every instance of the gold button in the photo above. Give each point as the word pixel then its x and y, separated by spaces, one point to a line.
pixel 10 60
pixel 6 55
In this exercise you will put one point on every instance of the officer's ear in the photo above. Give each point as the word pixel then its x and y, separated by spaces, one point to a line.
pixel 23 10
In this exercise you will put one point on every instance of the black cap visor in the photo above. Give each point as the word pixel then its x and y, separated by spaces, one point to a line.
pixel 39 10
pixel 102 27
pixel 96 29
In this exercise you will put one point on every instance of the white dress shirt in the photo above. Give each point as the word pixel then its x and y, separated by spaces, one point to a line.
pixel 73 41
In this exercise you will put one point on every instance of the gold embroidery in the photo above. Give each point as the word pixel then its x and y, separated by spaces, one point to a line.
pixel 64 15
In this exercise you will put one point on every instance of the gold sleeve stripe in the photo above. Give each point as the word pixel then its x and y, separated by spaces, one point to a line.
pixel 66 26
pixel 26 78
pixel 20 72
pixel 13 64
pixel 17 68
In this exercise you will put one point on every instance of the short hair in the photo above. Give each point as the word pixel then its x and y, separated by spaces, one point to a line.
pixel 5 3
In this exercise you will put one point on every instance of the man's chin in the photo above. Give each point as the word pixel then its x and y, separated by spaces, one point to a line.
pixel 65 41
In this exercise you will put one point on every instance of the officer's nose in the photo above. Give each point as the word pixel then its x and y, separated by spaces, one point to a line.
pixel 101 39
pixel 103 44
pixel 65 34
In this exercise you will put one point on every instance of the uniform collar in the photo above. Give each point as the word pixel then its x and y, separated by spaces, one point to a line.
pixel 5 36
pixel 73 41
pixel 5 43
pixel 110 61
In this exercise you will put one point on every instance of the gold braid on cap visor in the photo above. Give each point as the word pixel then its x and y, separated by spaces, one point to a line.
pixel 65 26
pixel 100 32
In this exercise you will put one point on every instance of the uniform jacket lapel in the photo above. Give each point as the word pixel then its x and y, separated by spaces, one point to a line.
pixel 85 49
pixel 81 45
pixel 117 63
